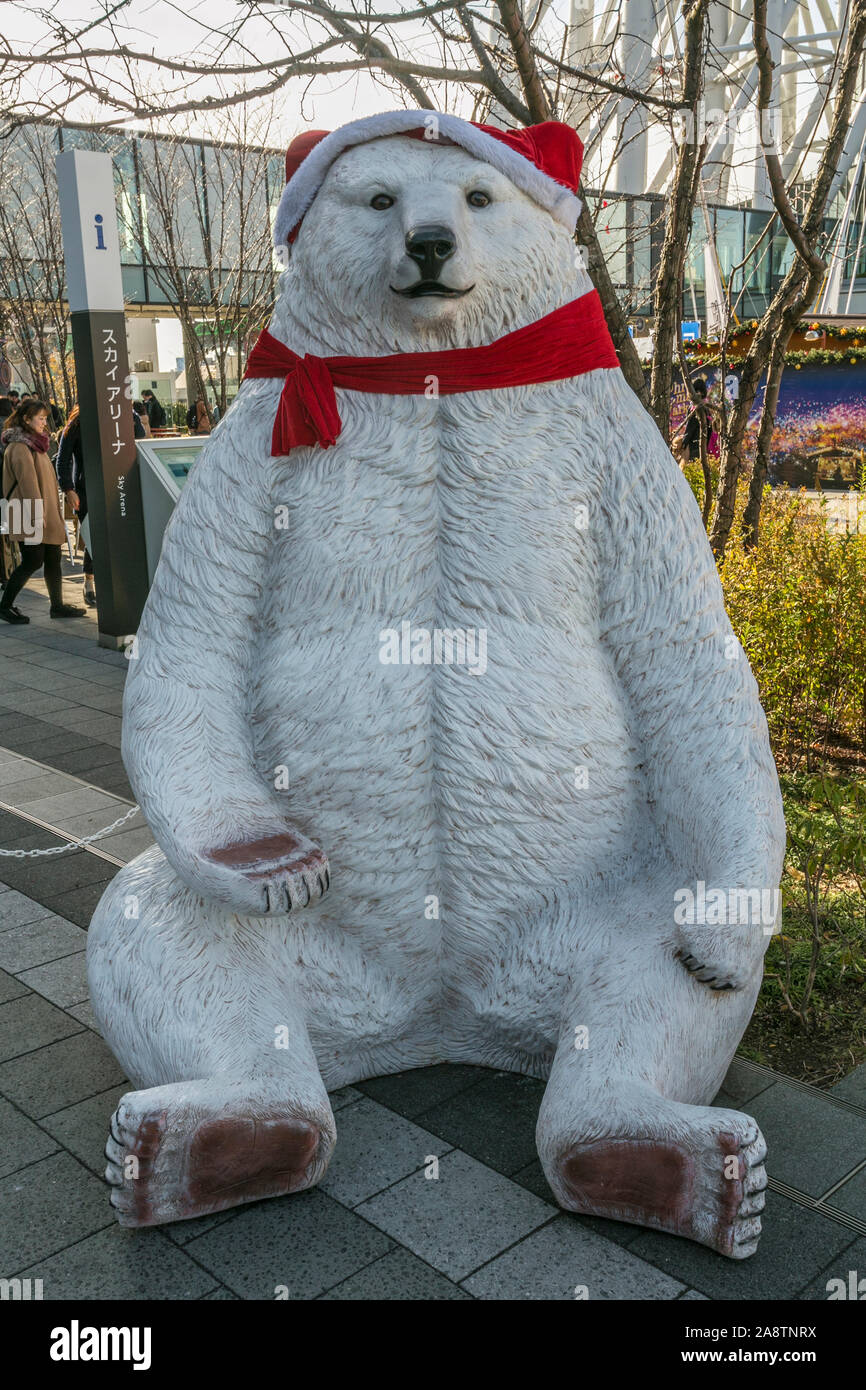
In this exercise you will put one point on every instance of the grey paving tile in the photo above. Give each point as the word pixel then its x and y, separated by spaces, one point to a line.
pixel 16 723
pixel 399 1277
pixel 42 705
pixel 851 1196
pixel 563 1261
pixel 79 716
pixel 85 761
pixel 124 1264
pixel 32 1022
pixel 347 1095
pixel 692 1295
pixel 129 844
pixel 852 1087
pixel 220 1294
pixel 744 1081
pixel 10 988
pixel 47 745
pixel 106 698
pixel 113 779
pixel 305 1243
pixel 812 1143
pixel 15 772
pixel 64 981
pixel 795 1244
pixel 48 938
pixel 375 1148
pixel 83 1128
pixel 45 1208
pixel 493 1120
pixel 84 1013
pixel 459 1220
pixel 411 1092
pixel 19 834
pixel 21 1141
pixel 182 1232
pixel 101 728
pixel 60 1075
pixel 36 789
pixel 850 1268
pixel 49 878
pixel 93 821
pixel 79 904
pixel 16 908
pixel 72 803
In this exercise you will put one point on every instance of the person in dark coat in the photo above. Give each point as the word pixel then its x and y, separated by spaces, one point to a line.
pixel 700 413
pixel 70 475
pixel 155 412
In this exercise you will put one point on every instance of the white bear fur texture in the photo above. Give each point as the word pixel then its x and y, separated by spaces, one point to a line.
pixel 505 845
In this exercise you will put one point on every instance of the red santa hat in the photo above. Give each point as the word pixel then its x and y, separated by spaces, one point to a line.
pixel 542 160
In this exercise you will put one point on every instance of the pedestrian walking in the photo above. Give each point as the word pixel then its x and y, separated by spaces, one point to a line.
pixel 155 412
pixel 197 418
pixel 73 485
pixel 36 523
pixel 700 416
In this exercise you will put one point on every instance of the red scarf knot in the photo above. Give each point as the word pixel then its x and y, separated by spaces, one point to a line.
pixel 566 343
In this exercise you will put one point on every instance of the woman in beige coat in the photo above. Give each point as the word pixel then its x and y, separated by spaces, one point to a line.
pixel 31 507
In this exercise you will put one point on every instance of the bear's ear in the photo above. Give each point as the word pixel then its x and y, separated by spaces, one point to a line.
pixel 300 148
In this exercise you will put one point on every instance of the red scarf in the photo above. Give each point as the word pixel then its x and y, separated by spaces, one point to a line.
pixel 571 340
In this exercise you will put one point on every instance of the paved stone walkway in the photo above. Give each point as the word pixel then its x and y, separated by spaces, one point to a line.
pixel 377 1227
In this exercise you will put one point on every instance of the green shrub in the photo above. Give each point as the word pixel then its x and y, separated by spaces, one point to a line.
pixel 823 932
pixel 797 602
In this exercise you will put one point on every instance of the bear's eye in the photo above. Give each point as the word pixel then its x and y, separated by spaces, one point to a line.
pixel 477 199
pixel 381 201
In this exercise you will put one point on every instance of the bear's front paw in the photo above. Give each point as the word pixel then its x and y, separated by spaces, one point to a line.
pixel 278 873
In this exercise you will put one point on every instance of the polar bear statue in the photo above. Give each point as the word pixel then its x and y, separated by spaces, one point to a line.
pixel 438 721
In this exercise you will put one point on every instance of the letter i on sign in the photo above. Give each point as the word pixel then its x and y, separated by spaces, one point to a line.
pixel 100 242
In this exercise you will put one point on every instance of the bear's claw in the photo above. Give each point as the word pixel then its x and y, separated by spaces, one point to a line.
pixel 698 968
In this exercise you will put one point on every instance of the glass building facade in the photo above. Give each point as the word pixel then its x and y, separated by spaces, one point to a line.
pixel 211 180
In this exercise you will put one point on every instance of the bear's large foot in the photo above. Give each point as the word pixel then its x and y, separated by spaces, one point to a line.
pixel 172 1157
pixel 706 1183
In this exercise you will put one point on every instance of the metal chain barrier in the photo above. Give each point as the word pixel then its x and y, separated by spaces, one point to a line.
pixel 75 844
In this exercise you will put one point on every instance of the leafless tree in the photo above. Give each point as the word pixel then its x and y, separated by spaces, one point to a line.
pixel 798 289
pixel 33 312
pixel 203 230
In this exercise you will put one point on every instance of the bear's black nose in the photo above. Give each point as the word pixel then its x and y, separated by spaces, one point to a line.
pixel 430 247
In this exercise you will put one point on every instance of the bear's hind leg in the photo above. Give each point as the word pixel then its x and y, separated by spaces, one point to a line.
pixel 199 1007
pixel 625 1129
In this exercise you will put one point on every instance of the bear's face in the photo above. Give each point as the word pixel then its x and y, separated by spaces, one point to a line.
pixel 411 245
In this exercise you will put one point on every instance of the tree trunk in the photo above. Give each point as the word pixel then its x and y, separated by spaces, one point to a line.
pixel 752 514
pixel 539 110
pixel 667 297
